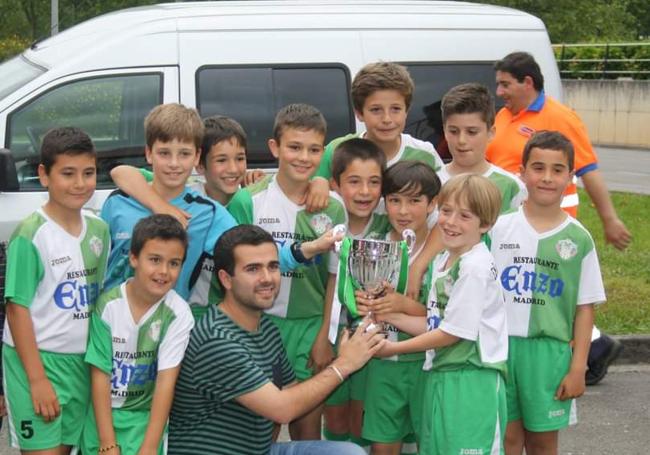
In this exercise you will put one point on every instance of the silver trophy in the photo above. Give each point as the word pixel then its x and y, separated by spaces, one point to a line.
pixel 374 264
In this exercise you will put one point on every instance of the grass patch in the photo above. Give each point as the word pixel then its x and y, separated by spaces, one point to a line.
pixel 626 273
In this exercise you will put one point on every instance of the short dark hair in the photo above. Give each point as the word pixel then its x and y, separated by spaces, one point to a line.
pixel 411 176
pixel 356 149
pixel 551 140
pixel 469 98
pixel 219 128
pixel 520 65
pixel 244 234
pixel 301 117
pixel 163 227
pixel 66 140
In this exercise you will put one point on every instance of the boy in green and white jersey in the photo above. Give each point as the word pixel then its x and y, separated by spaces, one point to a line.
pixel 381 97
pixel 138 335
pixel 459 405
pixel 551 278
pixel 468 122
pixel 409 189
pixel 56 264
pixel 276 204
pixel 357 168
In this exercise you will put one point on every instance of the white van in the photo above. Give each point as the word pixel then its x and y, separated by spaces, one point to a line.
pixel 245 59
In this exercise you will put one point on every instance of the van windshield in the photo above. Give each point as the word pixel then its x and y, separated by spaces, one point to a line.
pixel 15 73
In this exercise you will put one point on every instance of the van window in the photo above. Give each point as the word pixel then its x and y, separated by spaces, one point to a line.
pixel 110 109
pixel 253 94
pixel 432 81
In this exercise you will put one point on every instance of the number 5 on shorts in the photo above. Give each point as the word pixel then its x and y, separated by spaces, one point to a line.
pixel 26 429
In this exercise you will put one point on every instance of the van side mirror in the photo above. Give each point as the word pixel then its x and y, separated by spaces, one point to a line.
pixel 8 175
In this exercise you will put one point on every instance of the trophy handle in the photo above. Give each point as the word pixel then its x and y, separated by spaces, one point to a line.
pixel 338 229
pixel 409 237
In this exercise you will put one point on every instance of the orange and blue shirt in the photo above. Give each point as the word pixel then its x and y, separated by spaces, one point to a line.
pixel 544 113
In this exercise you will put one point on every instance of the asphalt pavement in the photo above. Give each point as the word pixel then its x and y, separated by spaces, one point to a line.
pixel 613 417
pixel 626 170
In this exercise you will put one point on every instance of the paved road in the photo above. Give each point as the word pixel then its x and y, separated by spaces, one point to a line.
pixel 614 417
pixel 625 170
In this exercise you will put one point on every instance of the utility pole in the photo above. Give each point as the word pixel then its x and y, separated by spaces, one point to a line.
pixel 54 15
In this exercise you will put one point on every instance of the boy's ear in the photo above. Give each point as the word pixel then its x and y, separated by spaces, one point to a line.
pixel 133 260
pixel 224 279
pixel 334 185
pixel 358 115
pixel 491 132
pixel 274 147
pixel 147 153
pixel 484 228
pixel 432 205
pixel 42 176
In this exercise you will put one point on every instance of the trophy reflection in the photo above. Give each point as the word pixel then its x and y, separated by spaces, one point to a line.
pixel 371 265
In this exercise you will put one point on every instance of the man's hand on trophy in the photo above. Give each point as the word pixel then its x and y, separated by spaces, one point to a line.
pixel 355 350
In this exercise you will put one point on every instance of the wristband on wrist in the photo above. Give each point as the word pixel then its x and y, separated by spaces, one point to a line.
pixel 104 449
pixel 337 371
pixel 297 253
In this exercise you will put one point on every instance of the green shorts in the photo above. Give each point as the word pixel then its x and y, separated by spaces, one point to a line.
pixel 353 388
pixel 130 427
pixel 464 412
pixel 389 386
pixel 70 378
pixel 298 336
pixel 536 367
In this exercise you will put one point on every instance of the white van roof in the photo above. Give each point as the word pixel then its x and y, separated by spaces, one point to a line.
pixel 156 26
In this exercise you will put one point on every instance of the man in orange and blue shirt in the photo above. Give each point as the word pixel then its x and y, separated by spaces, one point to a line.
pixel 528 109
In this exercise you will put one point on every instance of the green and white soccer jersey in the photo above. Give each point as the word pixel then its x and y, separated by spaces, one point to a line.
pixel 544 276
pixel 302 291
pixel 133 353
pixel 513 191
pixel 57 276
pixel 410 149
pixel 466 301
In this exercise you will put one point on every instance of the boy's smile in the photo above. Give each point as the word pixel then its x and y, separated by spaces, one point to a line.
pixel 384 114
pixel 298 153
pixel 360 188
pixel 224 169
pixel 71 180
pixel 546 175
pixel 172 163
pixel 467 136
pixel 157 266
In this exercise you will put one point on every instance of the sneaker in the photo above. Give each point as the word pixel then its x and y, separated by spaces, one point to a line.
pixel 602 353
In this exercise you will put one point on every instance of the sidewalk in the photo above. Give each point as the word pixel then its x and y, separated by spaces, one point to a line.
pixel 626 170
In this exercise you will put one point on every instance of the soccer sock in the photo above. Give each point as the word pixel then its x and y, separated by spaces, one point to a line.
pixel 409 447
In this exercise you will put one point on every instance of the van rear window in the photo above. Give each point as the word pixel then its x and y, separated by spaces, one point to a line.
pixel 253 94
pixel 432 81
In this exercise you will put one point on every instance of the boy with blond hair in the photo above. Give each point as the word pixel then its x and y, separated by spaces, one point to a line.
pixel 551 279
pixel 381 97
pixel 276 204
pixel 55 268
pixel 173 140
pixel 459 403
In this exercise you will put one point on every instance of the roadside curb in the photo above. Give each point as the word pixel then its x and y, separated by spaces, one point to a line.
pixel 636 349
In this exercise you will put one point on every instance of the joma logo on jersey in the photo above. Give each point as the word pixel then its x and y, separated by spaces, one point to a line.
pixel 268 221
pixel 59 261
pixel 471 452
pixel 512 279
pixel 509 246
pixel 125 374
pixel 70 295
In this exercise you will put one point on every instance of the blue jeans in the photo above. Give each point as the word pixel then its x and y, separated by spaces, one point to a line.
pixel 316 448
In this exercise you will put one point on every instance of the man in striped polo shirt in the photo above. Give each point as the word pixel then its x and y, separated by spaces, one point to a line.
pixel 236 382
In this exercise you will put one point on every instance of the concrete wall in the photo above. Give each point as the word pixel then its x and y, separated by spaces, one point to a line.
pixel 615 112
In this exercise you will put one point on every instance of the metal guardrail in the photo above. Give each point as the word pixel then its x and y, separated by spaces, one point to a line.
pixel 611 64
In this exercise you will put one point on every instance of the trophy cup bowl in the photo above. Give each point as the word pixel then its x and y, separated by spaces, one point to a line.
pixel 372 264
